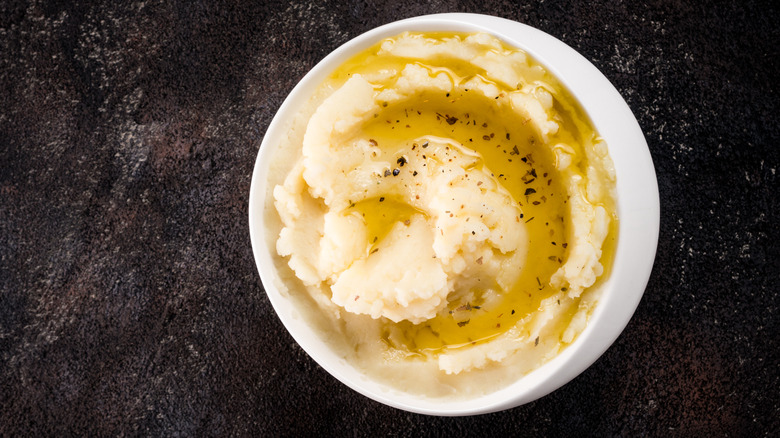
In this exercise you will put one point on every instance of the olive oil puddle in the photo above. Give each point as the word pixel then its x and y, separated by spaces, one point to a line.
pixel 510 148
pixel 380 214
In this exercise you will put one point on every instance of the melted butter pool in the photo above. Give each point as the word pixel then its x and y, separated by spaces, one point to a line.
pixel 512 150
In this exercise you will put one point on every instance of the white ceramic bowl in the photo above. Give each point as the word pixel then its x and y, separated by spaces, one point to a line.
pixel 638 213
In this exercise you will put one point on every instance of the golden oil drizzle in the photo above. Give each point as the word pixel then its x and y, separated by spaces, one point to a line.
pixel 512 150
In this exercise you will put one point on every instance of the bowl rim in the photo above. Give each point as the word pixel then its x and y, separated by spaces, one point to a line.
pixel 637 197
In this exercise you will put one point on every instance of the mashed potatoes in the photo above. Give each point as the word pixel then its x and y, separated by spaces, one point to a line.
pixel 447 213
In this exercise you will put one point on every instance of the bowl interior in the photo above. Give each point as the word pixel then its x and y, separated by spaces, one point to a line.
pixel 637 205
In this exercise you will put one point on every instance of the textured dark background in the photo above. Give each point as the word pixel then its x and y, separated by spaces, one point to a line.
pixel 129 299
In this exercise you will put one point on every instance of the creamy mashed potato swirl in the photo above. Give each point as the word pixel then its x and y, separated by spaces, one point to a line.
pixel 447 213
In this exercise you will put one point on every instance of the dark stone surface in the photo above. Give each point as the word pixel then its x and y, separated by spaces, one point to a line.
pixel 129 299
